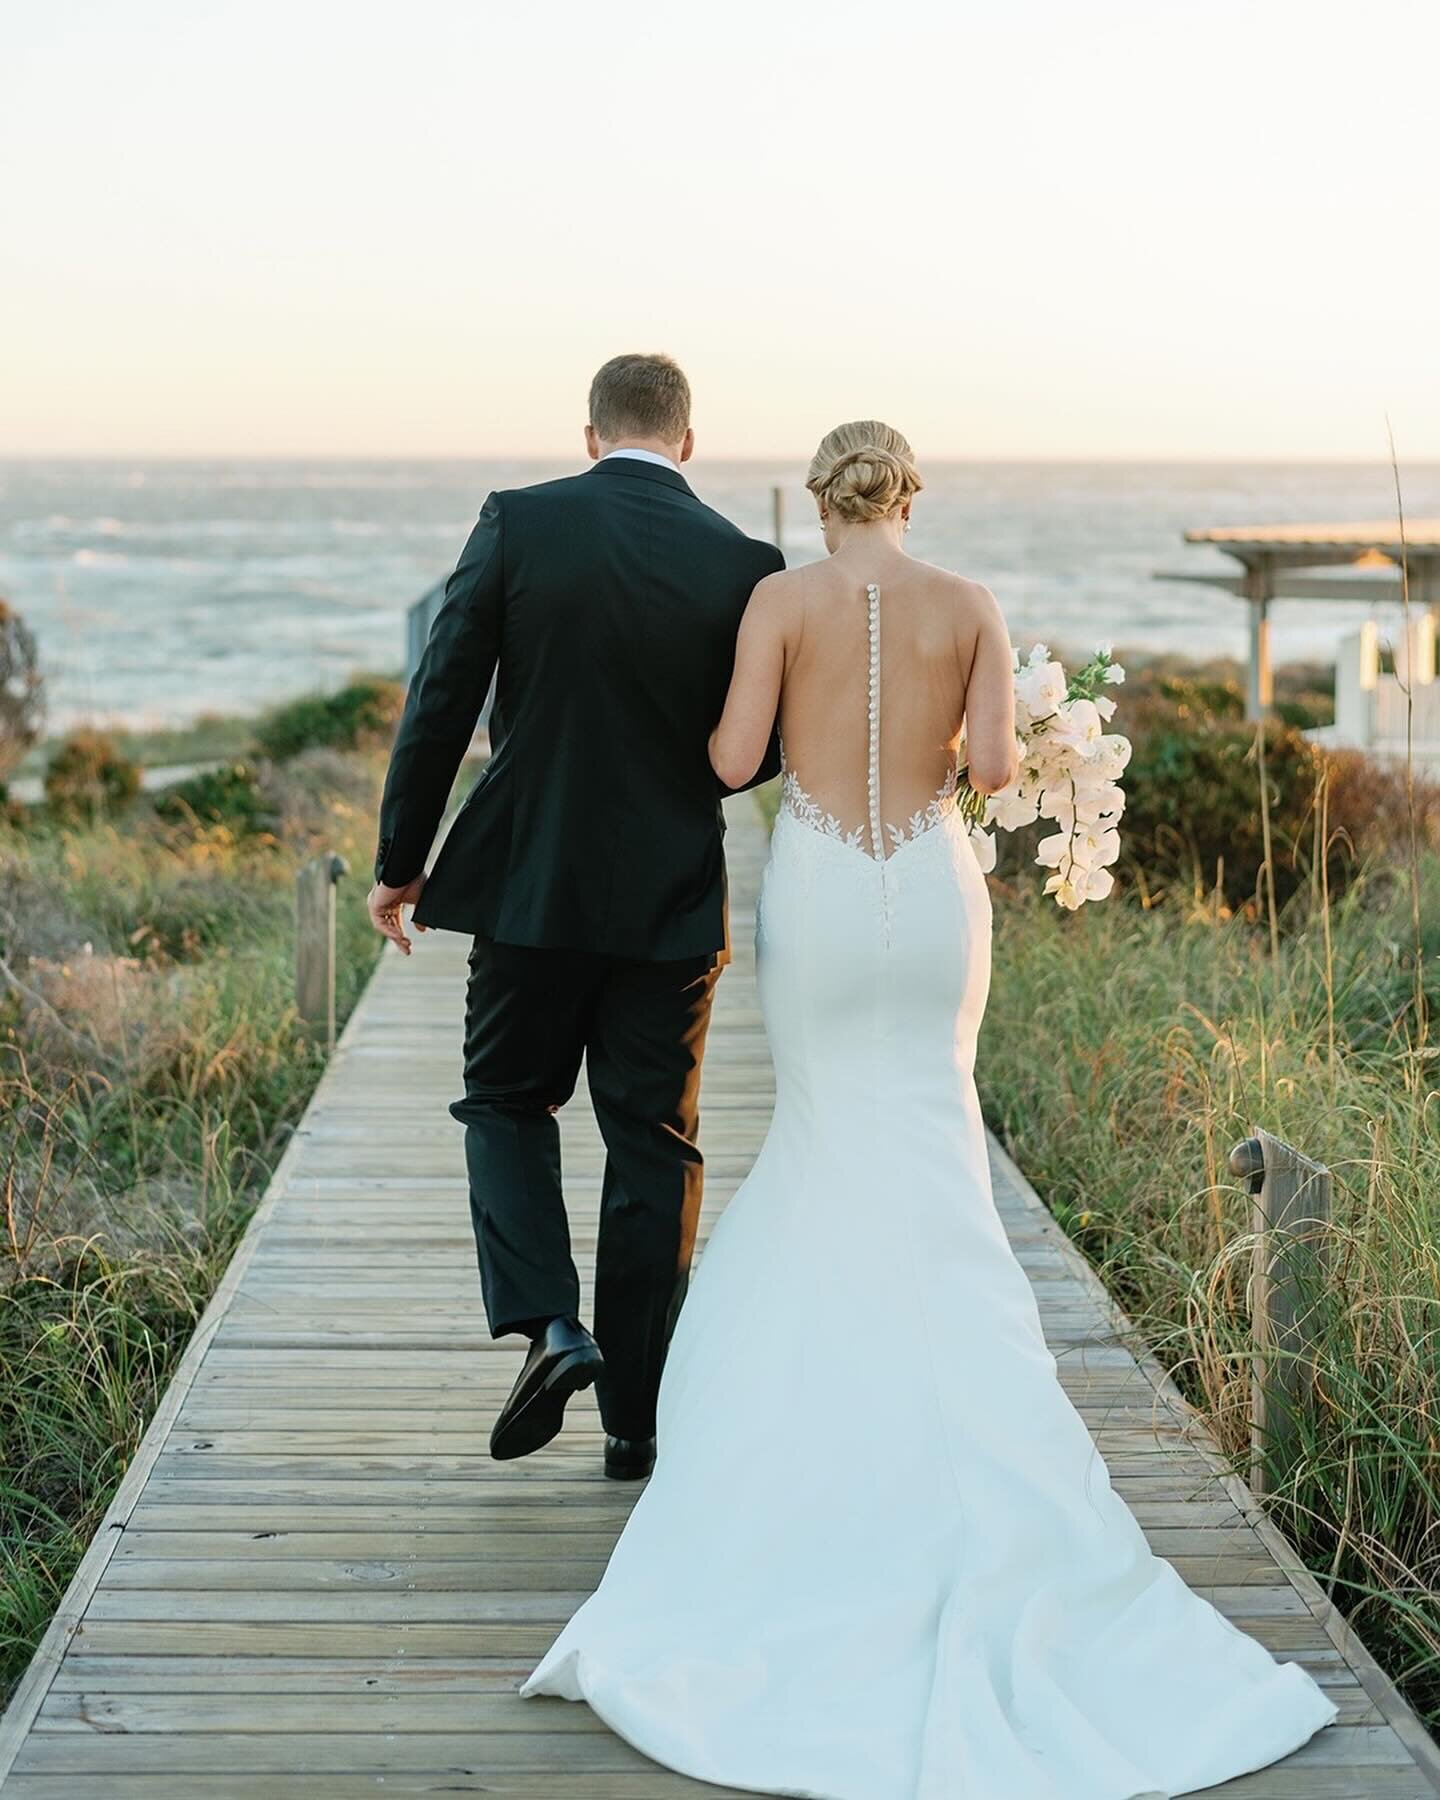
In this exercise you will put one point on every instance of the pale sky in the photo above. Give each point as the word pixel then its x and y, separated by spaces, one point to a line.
pixel 1028 228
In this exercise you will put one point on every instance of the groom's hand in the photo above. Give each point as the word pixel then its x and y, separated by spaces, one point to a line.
pixel 384 904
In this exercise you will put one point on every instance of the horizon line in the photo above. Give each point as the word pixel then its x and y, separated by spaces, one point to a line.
pixel 759 459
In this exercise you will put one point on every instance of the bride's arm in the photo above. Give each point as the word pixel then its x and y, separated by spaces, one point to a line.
pixel 739 742
pixel 991 754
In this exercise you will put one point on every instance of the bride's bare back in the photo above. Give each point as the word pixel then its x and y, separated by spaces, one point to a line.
pixel 870 637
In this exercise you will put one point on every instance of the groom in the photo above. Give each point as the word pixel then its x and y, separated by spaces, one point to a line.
pixel 588 867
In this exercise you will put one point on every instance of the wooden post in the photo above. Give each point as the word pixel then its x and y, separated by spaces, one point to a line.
pixel 777 516
pixel 315 945
pixel 1290 1221
pixel 1259 589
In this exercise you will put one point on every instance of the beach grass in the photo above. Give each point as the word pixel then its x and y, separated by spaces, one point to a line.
pixel 151 1068
pixel 1124 1051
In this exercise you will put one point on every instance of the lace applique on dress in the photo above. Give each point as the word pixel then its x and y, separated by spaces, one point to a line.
pixel 929 816
pixel 795 801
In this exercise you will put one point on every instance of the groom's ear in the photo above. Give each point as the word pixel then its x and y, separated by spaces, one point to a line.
pixel 592 443
pixel 687 444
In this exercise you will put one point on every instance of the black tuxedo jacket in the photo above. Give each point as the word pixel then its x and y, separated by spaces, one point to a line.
pixel 609 602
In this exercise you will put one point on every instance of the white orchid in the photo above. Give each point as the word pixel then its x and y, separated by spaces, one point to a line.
pixel 1039 690
pixel 1111 755
pixel 1078 725
pixel 1015 806
pixel 1069 774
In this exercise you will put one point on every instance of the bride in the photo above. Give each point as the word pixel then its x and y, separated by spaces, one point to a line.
pixel 904 1575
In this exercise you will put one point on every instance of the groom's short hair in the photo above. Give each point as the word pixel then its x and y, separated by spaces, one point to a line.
pixel 640 396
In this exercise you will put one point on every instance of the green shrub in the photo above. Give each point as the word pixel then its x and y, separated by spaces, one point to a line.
pixel 1192 810
pixel 367 708
pixel 87 777
pixel 1202 698
pixel 230 795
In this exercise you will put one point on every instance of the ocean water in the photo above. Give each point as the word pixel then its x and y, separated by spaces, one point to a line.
pixel 162 590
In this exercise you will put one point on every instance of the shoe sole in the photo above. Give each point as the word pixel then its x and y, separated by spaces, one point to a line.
pixel 629 1474
pixel 540 1418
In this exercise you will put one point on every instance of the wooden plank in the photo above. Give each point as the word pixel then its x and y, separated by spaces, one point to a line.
pixel 650 1784
pixel 561 1567
pixel 374 1642
pixel 546 1745
pixel 401 1713
pixel 1362 1751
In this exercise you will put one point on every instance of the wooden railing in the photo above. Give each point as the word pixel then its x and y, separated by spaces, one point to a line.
pixel 1291 1225
pixel 315 945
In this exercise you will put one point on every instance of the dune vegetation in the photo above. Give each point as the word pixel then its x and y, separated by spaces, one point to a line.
pixel 1127 1048
pixel 151 1068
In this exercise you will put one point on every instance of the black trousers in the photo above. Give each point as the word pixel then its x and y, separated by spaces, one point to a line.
pixel 531 1015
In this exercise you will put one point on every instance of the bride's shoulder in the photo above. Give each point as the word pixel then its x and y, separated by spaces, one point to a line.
pixel 971 600
pixel 785 589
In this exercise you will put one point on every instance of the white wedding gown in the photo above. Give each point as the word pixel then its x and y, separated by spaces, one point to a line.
pixel 880 1557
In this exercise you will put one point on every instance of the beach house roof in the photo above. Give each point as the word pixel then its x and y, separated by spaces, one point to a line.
pixel 1345 562
pixel 1309 546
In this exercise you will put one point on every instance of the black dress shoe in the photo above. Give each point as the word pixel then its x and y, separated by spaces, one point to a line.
pixel 629 1459
pixel 563 1359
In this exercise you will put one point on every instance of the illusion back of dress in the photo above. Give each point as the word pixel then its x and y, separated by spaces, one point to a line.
pixel 871 709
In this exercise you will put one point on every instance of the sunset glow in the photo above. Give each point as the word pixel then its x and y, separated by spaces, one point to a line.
pixel 1037 230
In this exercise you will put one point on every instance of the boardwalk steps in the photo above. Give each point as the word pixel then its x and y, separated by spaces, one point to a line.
pixel 315 1584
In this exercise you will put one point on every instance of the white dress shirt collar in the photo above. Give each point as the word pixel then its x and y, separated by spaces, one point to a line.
pixel 650 456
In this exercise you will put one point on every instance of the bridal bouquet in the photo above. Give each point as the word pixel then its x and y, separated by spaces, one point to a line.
pixel 1070 769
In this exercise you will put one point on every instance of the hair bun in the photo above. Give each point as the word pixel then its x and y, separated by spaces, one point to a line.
pixel 864 471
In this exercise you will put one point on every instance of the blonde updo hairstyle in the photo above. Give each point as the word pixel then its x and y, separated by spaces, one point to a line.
pixel 863 471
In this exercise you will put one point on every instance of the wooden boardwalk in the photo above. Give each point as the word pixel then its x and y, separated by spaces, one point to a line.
pixel 315 1584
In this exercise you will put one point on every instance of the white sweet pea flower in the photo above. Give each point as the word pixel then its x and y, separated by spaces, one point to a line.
pixel 1114 674
pixel 1105 706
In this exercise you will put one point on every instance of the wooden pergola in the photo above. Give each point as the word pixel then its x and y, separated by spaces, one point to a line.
pixel 1281 562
